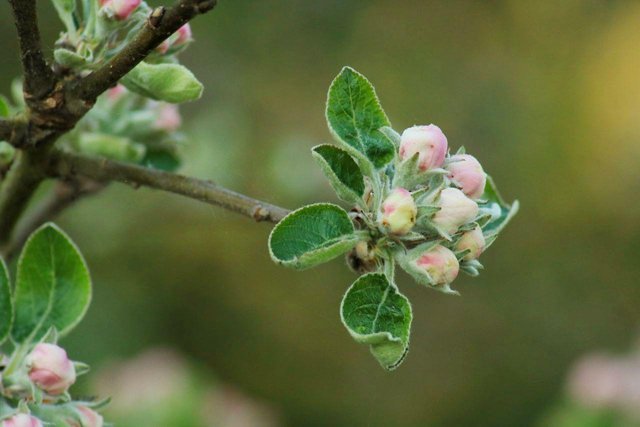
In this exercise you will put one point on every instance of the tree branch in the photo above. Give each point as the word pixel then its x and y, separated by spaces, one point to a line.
pixel 38 76
pixel 161 24
pixel 21 182
pixel 63 195
pixel 68 165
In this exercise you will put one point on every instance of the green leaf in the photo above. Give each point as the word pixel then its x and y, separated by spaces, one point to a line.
pixel 376 313
pixel 5 109
pixel 53 287
pixel 355 117
pixel 501 212
pixel 6 307
pixel 312 235
pixel 69 59
pixel 164 160
pixel 164 82
pixel 7 153
pixel 341 170
pixel 110 146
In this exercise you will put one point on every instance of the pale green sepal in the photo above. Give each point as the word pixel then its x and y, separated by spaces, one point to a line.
pixel 51 337
pixel 391 135
pixel 376 313
pixel 53 286
pixel 6 305
pixel 342 171
pixel 172 83
pixel 81 368
pixel 354 116
pixel 312 235
pixel 501 212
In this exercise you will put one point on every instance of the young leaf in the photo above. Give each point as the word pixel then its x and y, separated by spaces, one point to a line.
pixel 111 146
pixel 164 82
pixel 342 171
pixel 375 313
pixel 5 109
pixel 355 117
pixel 312 235
pixel 53 287
pixel 501 212
pixel 6 307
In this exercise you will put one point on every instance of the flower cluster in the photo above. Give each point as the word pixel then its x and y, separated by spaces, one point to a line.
pixel 429 212
pixel 40 382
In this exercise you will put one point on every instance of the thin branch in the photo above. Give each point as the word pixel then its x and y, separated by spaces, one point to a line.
pixel 38 76
pixel 161 24
pixel 68 165
pixel 61 197
pixel 21 182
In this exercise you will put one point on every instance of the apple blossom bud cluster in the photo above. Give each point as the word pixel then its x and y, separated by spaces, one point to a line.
pixel 433 212
pixel 39 381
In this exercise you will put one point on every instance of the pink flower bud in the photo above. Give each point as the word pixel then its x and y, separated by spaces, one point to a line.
pixel 169 119
pixel 473 241
pixel 116 92
pixel 88 418
pixel 399 212
pixel 50 369
pixel 467 173
pixel 184 35
pixel 456 209
pixel 440 263
pixel 122 9
pixel 428 141
pixel 22 420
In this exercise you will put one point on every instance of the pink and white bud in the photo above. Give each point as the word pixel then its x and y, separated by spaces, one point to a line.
pixel 116 92
pixel 440 264
pixel 169 118
pixel 466 171
pixel 473 241
pixel 399 212
pixel 50 369
pixel 185 35
pixel 88 418
pixel 456 209
pixel 22 420
pixel 121 9
pixel 428 141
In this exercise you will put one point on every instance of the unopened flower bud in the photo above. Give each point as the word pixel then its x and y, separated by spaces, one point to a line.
pixel 428 141
pixel 467 172
pixel 88 418
pixel 121 9
pixel 399 212
pixel 184 35
pixel 116 92
pixel 456 209
pixel 169 119
pixel 22 420
pixel 473 241
pixel 50 369
pixel 440 263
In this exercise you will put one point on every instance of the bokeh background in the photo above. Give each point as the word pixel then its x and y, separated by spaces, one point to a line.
pixel 546 94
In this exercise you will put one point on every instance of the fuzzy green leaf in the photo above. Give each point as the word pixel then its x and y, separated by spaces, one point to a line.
pixel 6 306
pixel 312 235
pixel 172 83
pixel 501 212
pixel 375 313
pixel 341 170
pixel 355 117
pixel 53 286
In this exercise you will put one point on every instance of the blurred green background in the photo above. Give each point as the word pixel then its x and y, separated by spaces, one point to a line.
pixel 546 94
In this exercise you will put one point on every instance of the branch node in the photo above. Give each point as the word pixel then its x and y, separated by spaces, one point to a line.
pixel 261 213
pixel 156 17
